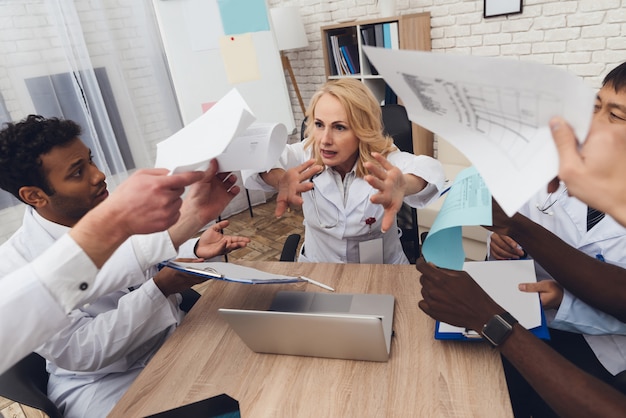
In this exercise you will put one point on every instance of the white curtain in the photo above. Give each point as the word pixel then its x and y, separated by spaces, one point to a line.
pixel 99 63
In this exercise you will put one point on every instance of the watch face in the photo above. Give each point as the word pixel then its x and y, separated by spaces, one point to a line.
pixel 496 330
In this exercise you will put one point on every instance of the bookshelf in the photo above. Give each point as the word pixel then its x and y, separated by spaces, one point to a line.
pixel 342 46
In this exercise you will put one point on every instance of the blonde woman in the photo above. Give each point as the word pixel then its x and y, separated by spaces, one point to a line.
pixel 349 179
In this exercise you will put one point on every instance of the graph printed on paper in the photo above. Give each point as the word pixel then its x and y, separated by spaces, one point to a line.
pixel 507 117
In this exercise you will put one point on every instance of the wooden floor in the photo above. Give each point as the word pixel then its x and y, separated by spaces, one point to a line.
pixel 266 231
pixel 267 234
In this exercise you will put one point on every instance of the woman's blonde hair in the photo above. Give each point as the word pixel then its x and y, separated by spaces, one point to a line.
pixel 364 119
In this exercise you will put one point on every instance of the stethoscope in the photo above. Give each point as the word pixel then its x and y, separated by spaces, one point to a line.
pixel 317 212
pixel 550 202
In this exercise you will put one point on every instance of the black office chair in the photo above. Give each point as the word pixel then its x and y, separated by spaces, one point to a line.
pixel 27 382
pixel 290 248
pixel 302 129
pixel 396 124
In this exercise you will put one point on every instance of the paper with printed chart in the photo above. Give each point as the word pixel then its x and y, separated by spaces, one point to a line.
pixel 494 110
pixel 467 202
pixel 227 132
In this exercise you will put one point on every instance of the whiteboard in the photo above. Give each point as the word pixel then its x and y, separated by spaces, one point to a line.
pixel 199 75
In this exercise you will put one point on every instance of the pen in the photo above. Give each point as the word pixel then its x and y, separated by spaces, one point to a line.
pixel 210 274
pixel 445 191
pixel 322 285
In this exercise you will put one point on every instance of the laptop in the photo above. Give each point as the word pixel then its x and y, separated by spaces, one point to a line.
pixel 333 325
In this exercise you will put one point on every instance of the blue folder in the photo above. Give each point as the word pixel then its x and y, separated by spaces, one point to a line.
pixel 540 332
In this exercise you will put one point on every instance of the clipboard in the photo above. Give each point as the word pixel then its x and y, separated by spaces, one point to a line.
pixel 470 335
pixel 500 279
pixel 232 272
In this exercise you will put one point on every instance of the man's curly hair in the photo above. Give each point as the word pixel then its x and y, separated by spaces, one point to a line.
pixel 23 143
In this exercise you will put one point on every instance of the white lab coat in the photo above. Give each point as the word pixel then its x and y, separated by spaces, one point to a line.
pixel 94 359
pixel 333 230
pixel 605 334
pixel 35 300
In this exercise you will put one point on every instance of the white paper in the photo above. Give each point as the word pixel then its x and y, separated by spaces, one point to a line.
pixel 227 123
pixel 494 110
pixel 500 279
pixel 259 147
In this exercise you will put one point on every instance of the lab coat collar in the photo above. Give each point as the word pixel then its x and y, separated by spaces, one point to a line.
pixel 326 185
pixel 606 229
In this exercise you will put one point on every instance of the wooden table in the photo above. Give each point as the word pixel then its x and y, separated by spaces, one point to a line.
pixel 423 377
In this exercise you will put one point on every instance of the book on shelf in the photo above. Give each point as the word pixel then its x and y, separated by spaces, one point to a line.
pixel 379 35
pixel 369 38
pixel 394 36
pixel 387 35
pixel 390 96
pixel 334 46
pixel 331 56
pixel 344 52
pixel 350 53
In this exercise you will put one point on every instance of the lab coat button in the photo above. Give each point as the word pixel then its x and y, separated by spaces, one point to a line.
pixel 83 286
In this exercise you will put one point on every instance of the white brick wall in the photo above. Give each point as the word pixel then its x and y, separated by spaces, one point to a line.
pixel 586 37
pixel 30 46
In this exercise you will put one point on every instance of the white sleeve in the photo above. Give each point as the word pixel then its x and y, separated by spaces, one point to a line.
pixel 424 167
pixel 93 341
pixel 575 315
pixel 35 299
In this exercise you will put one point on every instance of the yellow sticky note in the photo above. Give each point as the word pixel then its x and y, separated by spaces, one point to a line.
pixel 240 58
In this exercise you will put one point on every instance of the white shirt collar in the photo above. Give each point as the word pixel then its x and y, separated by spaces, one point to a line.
pixel 54 229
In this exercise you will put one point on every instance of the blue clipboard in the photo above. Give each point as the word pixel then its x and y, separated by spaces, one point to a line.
pixel 540 332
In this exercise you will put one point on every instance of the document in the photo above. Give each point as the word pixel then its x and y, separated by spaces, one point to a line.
pixel 500 280
pixel 226 132
pixel 467 202
pixel 493 110
pixel 232 272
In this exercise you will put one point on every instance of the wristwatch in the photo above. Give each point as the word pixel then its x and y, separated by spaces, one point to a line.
pixel 498 328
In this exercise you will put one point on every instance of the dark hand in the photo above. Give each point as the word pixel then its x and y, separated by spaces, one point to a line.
pixel 454 297
pixel 170 281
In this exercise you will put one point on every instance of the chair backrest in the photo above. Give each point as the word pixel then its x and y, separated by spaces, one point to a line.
pixel 26 383
pixel 302 129
pixel 396 123
pixel 290 248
